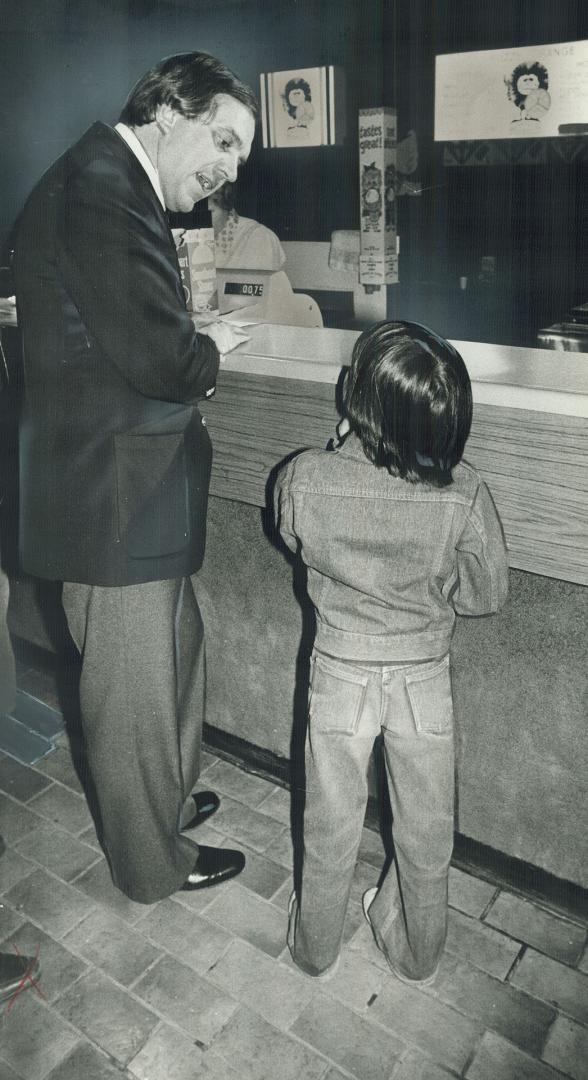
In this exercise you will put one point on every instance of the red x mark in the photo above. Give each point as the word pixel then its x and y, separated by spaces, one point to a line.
pixel 27 978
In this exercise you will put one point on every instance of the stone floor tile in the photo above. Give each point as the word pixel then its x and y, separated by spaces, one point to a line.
pixel 357 982
pixel 277 804
pixel 86 1063
pixel 207 759
pixel 42 685
pixel 6 1072
pixel 59 967
pixel 10 921
pixel 281 850
pixel 98 884
pixel 183 997
pixel 60 766
pixel 334 1074
pixel 416 1067
pixel 583 965
pixel 371 848
pixel 285 961
pixel 228 779
pixel 185 934
pixel 33 1038
pixel 552 982
pixel 20 781
pixel 431 1025
pixel 88 836
pixel 567 1048
pixel 58 851
pixel 496 1059
pixel 358 1046
pixel 17 820
pixel 558 938
pixel 497 1005
pixel 264 1053
pixel 64 808
pixel 468 893
pixel 169 1055
pixel 250 918
pixel 108 1015
pixel 55 906
pixel 13 869
pixel 240 822
pixel 262 875
pixel 481 945
pixel 113 946
pixel 270 989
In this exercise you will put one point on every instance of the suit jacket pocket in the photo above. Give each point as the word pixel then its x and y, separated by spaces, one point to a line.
pixel 152 494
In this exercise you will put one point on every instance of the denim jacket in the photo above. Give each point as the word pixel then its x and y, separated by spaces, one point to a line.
pixel 389 562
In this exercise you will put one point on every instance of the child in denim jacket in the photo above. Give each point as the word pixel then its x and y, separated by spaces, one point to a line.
pixel 398 535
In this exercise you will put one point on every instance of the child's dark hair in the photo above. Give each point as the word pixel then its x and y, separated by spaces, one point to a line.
pixel 408 398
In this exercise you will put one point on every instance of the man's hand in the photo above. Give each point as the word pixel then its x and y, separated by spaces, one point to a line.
pixel 225 337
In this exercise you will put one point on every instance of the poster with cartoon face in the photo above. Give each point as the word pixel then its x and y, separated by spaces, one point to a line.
pixel 303 107
pixel 297 107
pixel 511 93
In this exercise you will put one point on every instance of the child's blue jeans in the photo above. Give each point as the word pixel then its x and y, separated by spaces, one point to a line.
pixel 349 705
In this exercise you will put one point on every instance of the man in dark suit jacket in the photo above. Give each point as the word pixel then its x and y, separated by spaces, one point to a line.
pixel 115 456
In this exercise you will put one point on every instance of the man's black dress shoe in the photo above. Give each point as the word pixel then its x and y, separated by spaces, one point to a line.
pixel 205 804
pixel 213 866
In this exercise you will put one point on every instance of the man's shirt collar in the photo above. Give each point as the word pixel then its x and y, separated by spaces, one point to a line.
pixel 142 156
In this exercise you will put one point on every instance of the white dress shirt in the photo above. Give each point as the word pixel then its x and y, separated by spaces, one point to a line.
pixel 142 156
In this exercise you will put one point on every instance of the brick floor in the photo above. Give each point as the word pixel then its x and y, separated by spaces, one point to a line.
pixel 202 986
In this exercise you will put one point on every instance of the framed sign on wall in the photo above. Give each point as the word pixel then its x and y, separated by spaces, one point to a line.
pixel 303 107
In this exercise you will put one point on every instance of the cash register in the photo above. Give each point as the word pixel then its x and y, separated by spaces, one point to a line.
pixel 264 296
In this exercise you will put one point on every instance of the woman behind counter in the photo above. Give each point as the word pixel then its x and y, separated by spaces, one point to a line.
pixel 240 242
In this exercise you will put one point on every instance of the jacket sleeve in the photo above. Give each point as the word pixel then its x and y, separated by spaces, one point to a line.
pixel 482 564
pixel 119 266
pixel 284 507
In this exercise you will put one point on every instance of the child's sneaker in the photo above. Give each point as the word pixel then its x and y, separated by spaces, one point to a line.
pixel 329 972
pixel 367 900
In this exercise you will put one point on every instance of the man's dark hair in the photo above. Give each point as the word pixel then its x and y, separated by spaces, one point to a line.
pixel 188 82
pixel 408 398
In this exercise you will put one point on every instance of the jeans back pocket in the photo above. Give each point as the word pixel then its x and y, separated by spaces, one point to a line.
pixel 336 697
pixel 431 700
